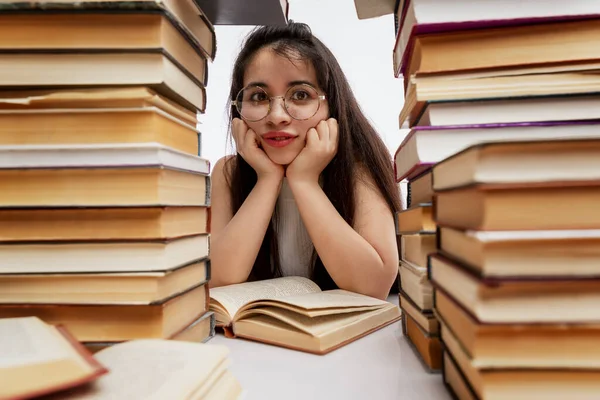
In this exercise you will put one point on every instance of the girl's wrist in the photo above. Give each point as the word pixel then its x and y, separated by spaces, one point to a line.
pixel 303 181
pixel 271 178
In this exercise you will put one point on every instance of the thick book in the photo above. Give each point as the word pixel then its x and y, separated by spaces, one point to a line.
pixel 524 253
pixel 69 126
pixel 29 69
pixel 423 317
pixel 507 111
pixel 520 383
pixel 40 359
pixel 71 224
pixel 565 161
pixel 114 98
pixel 504 47
pixel 537 346
pixel 508 84
pixel 162 369
pixel 100 155
pixel 185 15
pixel 415 284
pixel 256 12
pixel 428 348
pixel 103 33
pixel 366 9
pixel 455 380
pixel 420 189
pixel 99 287
pixel 293 312
pixel 104 256
pixel 416 247
pixel 421 17
pixel 199 331
pixel 140 174
pixel 119 322
pixel 521 206
pixel 520 301
pixel 414 220
pixel 425 146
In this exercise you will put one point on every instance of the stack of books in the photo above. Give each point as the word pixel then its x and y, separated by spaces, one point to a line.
pixel 40 359
pixel 501 100
pixel 517 273
pixel 417 232
pixel 104 219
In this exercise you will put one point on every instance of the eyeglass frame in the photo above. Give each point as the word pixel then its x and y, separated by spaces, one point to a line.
pixel 319 97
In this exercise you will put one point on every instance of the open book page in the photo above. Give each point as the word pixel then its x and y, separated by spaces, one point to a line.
pixel 27 341
pixel 233 297
pixel 332 302
pixel 314 326
pixel 153 370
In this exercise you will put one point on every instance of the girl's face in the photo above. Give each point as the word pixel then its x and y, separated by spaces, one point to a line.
pixel 281 136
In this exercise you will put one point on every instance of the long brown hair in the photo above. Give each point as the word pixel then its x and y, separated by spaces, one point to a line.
pixel 359 143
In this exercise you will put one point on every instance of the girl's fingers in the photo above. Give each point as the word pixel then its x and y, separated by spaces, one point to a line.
pixel 239 132
pixel 312 137
pixel 333 130
pixel 323 131
pixel 251 139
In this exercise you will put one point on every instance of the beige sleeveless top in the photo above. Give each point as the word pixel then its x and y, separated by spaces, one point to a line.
pixel 295 246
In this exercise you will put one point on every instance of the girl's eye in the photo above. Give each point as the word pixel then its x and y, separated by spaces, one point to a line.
pixel 300 95
pixel 258 96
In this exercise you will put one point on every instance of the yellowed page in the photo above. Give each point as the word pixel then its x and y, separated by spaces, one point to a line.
pixel 316 326
pixel 333 300
pixel 27 341
pixel 48 98
pixel 233 297
pixel 154 370
pixel 94 98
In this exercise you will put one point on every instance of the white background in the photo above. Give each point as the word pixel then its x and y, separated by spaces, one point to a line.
pixel 362 47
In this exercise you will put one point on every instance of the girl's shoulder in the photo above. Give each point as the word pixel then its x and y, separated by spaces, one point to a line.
pixel 224 167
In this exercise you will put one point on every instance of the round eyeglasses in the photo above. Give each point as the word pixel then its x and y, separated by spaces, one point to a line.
pixel 301 102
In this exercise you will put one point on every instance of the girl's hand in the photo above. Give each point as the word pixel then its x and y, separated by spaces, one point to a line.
pixel 247 144
pixel 321 146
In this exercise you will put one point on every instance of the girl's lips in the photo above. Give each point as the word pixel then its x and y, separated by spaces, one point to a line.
pixel 280 141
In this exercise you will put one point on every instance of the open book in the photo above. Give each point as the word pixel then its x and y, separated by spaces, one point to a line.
pixel 37 359
pixel 293 312
pixel 155 369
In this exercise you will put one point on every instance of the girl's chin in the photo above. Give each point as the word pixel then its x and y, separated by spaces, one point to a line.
pixel 282 159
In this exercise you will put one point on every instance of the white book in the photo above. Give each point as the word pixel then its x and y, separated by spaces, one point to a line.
pixel 100 156
pixel 430 16
pixel 424 147
pixel 102 256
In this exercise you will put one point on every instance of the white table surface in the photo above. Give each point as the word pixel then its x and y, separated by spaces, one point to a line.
pixel 379 366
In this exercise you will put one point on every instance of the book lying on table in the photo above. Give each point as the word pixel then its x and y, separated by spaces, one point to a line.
pixel 293 312
pixel 161 369
pixel 39 359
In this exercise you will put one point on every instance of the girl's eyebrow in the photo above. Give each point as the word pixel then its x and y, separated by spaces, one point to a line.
pixel 292 83
pixel 260 84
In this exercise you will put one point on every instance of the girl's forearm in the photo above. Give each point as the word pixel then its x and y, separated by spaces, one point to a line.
pixel 233 252
pixel 351 261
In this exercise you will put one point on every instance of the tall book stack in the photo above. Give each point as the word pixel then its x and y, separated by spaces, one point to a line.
pixel 501 98
pixel 417 232
pixel 104 208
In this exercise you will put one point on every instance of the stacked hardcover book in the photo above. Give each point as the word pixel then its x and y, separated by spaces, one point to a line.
pixel 501 98
pixel 104 219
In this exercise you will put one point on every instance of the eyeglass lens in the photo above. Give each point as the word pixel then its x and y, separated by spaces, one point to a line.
pixel 300 101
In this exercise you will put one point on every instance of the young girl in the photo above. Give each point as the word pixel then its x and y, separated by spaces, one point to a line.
pixel 311 190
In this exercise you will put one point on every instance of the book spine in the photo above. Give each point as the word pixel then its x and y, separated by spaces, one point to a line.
pixel 207 191
pixel 212 329
pixel 199 144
